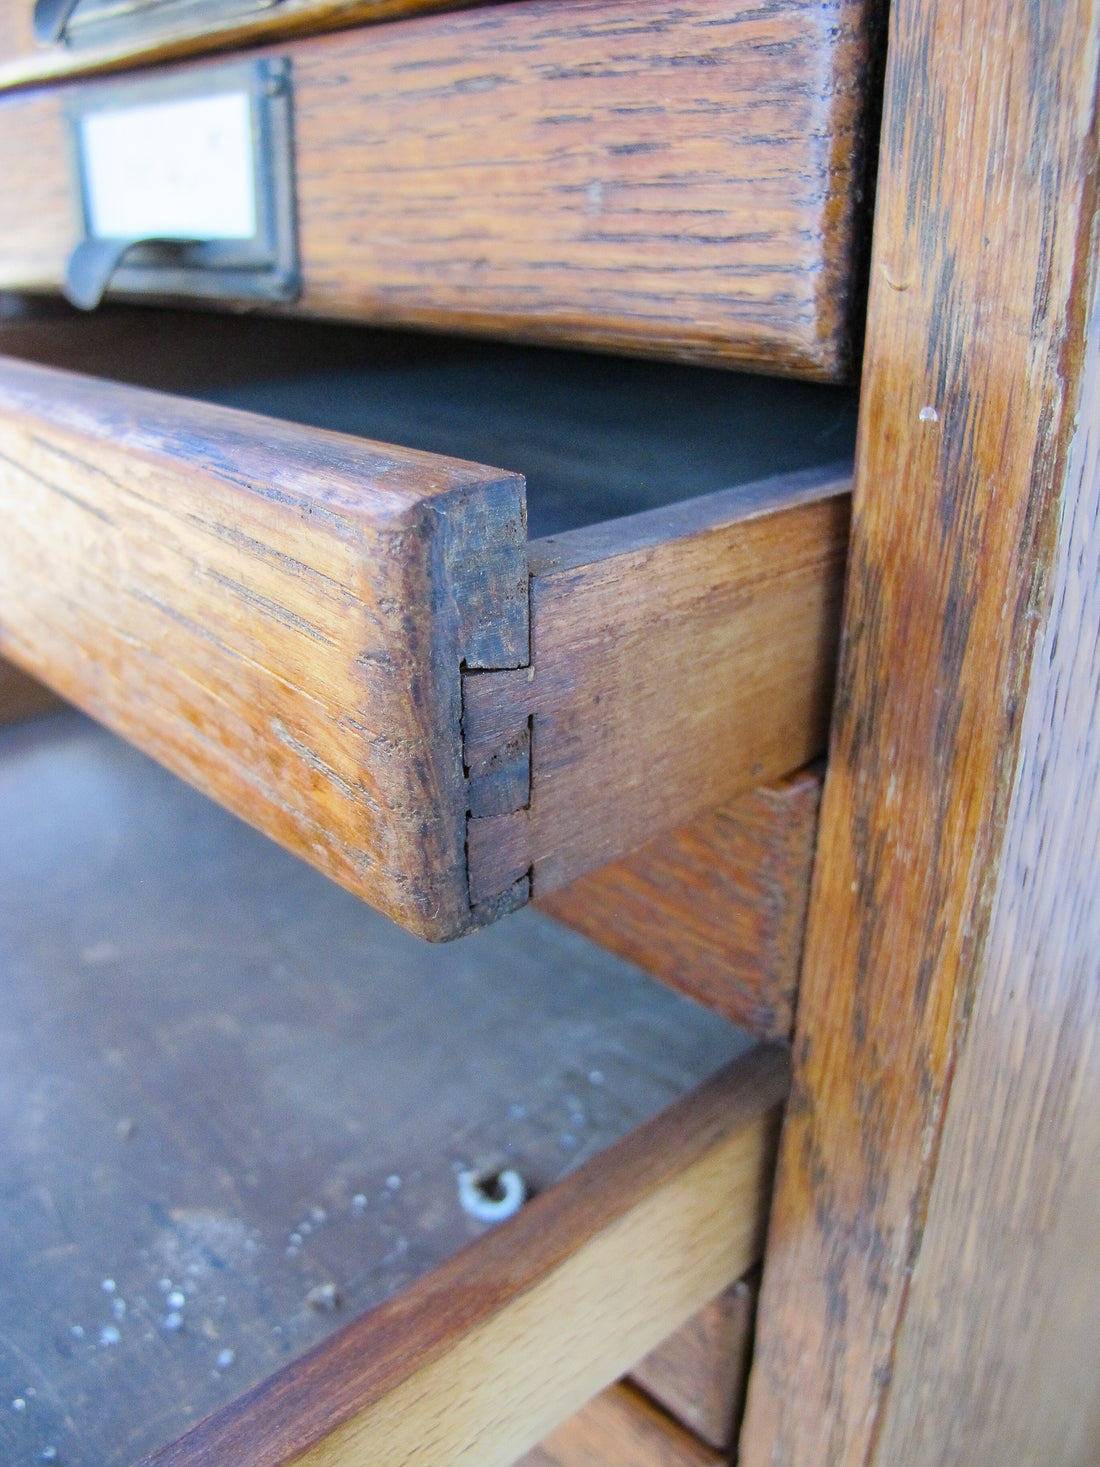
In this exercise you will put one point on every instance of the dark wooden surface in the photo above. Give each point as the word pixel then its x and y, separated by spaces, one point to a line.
pixel 699 1374
pixel 21 696
pixel 279 614
pixel 677 659
pixel 204 1046
pixel 951 966
pixel 685 179
pixel 717 908
pixel 621 1429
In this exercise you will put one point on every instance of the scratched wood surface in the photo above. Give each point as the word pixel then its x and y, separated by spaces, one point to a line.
pixel 716 908
pixel 620 1428
pixel 677 659
pixel 218 1069
pixel 699 1374
pixel 996 1358
pixel 679 179
pixel 278 614
pixel 972 389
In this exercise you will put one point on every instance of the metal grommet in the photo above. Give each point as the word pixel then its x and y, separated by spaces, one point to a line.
pixel 491 1196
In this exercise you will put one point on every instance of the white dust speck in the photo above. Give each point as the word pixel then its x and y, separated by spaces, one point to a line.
pixel 108 1286
pixel 359 1202
pixel 595 1077
pixel 118 1308
pixel 929 415
pixel 173 1321
pixel 109 1335
pixel 176 1299
pixel 323 1297
pixel 225 1359
pixel 393 1184
pixel 18 1405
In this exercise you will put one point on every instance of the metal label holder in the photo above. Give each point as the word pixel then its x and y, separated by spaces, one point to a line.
pixel 261 268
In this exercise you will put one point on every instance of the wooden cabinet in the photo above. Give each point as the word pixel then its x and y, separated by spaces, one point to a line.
pixel 929 1284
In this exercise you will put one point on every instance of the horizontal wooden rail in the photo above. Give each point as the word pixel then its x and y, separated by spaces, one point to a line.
pixel 479 1360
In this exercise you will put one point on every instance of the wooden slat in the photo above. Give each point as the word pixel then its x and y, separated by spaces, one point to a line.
pixel 996 1358
pixel 278 614
pixel 984 258
pixel 21 696
pixel 680 179
pixel 479 1360
pixel 620 1428
pixel 717 908
pixel 699 1374
pixel 678 657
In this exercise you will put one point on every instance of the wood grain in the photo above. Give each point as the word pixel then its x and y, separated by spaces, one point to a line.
pixel 620 1428
pixel 21 696
pixel 278 614
pixel 996 1357
pixel 972 382
pixel 678 657
pixel 679 179
pixel 699 1373
pixel 717 908
pixel 478 1361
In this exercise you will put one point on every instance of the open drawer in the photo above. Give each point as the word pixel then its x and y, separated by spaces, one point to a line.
pixel 681 179
pixel 356 648
pixel 236 1109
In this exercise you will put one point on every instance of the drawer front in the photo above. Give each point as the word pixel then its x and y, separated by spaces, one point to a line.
pixel 670 179
pixel 278 614
pixel 353 647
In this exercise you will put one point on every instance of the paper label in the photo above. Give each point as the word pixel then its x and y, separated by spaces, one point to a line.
pixel 181 169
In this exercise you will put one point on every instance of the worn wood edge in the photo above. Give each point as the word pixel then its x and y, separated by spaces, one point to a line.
pixel 716 909
pixel 478 1360
pixel 1004 1337
pixel 700 515
pixel 470 582
pixel 23 697
pixel 621 1427
pixel 845 1240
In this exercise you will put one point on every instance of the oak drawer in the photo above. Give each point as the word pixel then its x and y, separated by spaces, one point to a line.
pixel 356 649
pixel 674 179
pixel 233 1103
